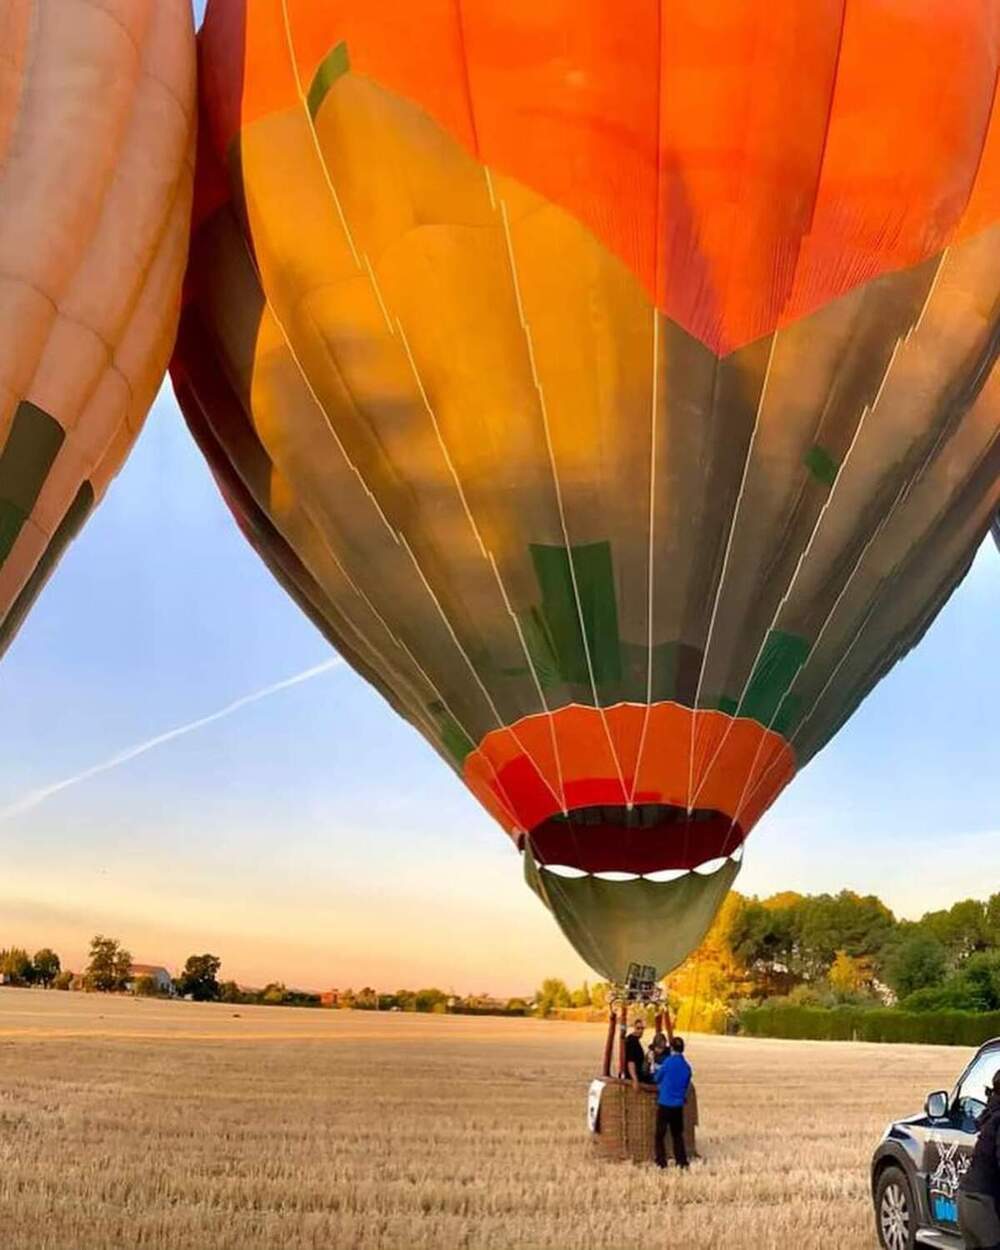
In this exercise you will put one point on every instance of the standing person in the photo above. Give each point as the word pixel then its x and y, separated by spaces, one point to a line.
pixel 635 1057
pixel 658 1051
pixel 979 1188
pixel 673 1078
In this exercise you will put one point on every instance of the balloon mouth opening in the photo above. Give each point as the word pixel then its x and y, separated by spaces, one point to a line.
pixel 653 840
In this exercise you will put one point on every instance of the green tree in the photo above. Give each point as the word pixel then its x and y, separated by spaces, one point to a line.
pixel 859 925
pixel 145 987
pixel 230 992
pixel 962 929
pixel 200 978
pixel 109 967
pixel 918 962
pixel 978 982
pixel 274 994
pixel 552 995
pixel 16 966
pixel 763 939
pixel 430 1000
pixel 991 919
pixel 581 997
pixel 46 966
pixel 975 987
pixel 63 980
pixel 599 994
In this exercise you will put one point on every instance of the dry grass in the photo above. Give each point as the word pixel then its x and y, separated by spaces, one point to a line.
pixel 185 1127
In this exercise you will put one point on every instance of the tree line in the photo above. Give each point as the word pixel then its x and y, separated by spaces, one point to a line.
pixel 816 951
pixel 824 951
pixel 109 970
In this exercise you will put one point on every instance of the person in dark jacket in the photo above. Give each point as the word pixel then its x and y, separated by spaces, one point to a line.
pixel 979 1189
pixel 673 1079
pixel 635 1056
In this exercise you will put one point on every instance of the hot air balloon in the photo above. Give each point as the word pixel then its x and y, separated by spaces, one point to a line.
pixel 97 121
pixel 612 385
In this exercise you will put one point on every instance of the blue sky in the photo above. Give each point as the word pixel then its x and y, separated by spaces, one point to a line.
pixel 275 837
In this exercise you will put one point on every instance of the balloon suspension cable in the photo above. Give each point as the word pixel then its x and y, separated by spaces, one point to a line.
pixel 697 981
pixel 609 1044
pixel 642 990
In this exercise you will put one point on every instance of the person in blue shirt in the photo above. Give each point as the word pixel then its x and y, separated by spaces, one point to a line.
pixel 672 1077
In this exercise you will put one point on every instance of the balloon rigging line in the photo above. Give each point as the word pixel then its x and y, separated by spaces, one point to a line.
pixel 721 584
pixel 866 411
pixel 315 138
pixel 561 509
pixel 397 535
pixel 649 556
pixel 560 798
pixel 901 498
pixel 753 783
pixel 35 797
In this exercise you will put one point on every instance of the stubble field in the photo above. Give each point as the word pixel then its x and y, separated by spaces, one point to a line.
pixel 129 1122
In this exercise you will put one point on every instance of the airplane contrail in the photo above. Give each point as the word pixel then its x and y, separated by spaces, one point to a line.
pixel 34 797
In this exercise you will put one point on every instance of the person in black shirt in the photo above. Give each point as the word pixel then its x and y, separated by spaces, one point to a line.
pixel 979 1189
pixel 635 1056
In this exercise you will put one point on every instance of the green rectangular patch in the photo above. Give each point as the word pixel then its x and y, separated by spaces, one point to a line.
pixel 32 445
pixel 66 531
pixel 539 645
pixel 778 666
pixel 597 611
pixel 821 465
pixel 333 65
pixel 454 739
pixel 12 519
pixel 788 715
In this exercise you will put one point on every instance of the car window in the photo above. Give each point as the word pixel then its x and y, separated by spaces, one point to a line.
pixel 972 1091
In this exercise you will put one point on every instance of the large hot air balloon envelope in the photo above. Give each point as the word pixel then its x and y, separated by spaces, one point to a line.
pixel 97 123
pixel 612 384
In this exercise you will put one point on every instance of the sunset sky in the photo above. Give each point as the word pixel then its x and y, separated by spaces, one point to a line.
pixel 273 834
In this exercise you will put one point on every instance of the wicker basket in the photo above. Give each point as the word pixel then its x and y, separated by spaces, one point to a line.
pixel 626 1123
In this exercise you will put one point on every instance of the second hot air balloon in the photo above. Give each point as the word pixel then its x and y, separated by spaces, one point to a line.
pixel 97 130
pixel 612 385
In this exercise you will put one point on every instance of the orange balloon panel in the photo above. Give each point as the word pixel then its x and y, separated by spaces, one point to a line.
pixel 794 151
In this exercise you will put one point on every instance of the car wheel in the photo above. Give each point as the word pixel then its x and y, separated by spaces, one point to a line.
pixel 895 1212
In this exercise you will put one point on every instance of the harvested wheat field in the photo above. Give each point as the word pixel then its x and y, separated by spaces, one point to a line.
pixel 131 1122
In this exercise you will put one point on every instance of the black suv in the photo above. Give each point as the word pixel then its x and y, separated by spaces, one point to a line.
pixel 918 1163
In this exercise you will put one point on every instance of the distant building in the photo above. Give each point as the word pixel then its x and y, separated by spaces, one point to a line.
pixel 160 977
pixel 329 998
pixel 481 1004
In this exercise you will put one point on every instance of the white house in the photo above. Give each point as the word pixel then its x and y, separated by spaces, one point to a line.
pixel 160 977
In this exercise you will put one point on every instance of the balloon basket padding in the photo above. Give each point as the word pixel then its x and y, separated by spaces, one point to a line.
pixel 626 1123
